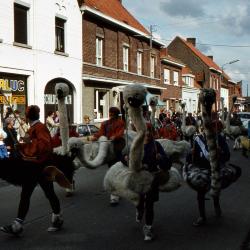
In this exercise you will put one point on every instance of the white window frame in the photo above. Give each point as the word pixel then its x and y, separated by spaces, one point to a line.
pixel 139 62
pixel 125 57
pixel 176 78
pixel 166 76
pixel 152 66
pixel 99 51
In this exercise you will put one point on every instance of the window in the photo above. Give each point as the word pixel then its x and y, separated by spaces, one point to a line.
pixel 188 80
pixel 176 78
pixel 20 24
pixel 139 62
pixel 60 34
pixel 99 51
pixel 166 75
pixel 101 103
pixel 125 58
pixel 152 67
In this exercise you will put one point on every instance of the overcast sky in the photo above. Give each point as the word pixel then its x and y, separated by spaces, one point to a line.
pixel 221 28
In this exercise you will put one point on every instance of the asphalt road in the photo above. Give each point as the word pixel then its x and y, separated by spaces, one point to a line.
pixel 91 224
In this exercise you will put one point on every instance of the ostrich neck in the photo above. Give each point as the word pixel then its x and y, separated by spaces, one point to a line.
pixel 152 115
pixel 223 112
pixel 212 148
pixel 64 126
pixel 184 118
pixel 137 146
pixel 228 119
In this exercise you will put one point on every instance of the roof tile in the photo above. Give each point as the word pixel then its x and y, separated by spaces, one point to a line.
pixel 116 10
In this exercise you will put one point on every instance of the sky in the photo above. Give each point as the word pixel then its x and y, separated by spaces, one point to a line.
pixel 221 29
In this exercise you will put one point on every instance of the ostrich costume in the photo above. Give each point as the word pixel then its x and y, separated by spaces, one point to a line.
pixel 199 178
pixel 233 131
pixel 130 182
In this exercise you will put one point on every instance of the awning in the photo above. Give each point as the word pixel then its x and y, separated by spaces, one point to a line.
pixel 120 82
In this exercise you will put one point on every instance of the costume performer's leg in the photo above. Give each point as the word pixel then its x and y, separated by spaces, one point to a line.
pixel 201 204
pixel 217 208
pixel 48 189
pixel 27 190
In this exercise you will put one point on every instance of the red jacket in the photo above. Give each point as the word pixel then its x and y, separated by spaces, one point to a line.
pixel 40 147
pixel 168 132
pixel 111 128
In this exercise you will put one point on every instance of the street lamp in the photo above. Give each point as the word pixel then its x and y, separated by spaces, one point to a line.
pixel 222 69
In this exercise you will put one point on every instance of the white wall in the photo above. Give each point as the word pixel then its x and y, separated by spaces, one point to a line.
pixel 225 94
pixel 40 63
pixel 190 97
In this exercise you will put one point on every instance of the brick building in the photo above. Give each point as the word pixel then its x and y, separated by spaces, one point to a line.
pixel 171 78
pixel 207 72
pixel 117 50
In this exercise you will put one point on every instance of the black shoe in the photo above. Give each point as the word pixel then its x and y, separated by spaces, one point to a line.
pixel 199 222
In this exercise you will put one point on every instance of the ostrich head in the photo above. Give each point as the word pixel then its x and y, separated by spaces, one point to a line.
pixel 183 104
pixel 134 95
pixel 75 144
pixel 62 90
pixel 207 98
pixel 153 101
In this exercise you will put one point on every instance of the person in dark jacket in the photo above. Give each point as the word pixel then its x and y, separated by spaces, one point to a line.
pixel 155 160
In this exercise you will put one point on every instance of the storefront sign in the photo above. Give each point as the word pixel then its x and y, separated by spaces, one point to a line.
pixel 12 85
pixel 52 99
pixel 14 99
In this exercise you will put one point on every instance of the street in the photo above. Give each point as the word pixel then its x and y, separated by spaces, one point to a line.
pixel 91 224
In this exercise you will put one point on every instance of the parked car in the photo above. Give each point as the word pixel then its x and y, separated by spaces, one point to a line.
pixel 244 117
pixel 85 130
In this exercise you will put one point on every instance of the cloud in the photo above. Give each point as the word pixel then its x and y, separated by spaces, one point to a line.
pixel 204 48
pixel 183 8
pixel 237 22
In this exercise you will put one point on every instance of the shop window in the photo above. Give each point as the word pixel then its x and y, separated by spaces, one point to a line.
pixel 60 34
pixel 20 24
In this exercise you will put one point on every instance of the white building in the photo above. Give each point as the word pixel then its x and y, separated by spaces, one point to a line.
pixel 224 93
pixel 40 45
pixel 190 94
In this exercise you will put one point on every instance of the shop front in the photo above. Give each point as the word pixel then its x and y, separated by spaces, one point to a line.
pixel 13 94
pixel 50 99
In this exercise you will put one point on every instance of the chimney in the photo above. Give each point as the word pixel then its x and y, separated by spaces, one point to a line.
pixel 211 57
pixel 192 41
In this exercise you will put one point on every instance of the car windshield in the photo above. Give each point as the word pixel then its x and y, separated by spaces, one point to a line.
pixel 244 116
pixel 86 130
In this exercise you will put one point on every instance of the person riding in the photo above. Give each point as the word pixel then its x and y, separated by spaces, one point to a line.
pixel 168 131
pixel 113 129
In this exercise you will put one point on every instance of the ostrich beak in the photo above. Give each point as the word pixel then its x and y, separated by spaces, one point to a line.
pixel 54 174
